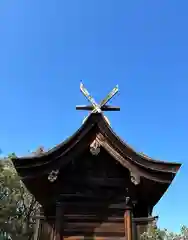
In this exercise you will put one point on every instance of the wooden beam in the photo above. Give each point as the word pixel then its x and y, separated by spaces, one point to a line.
pixel 91 204
pixel 103 108
pixel 145 219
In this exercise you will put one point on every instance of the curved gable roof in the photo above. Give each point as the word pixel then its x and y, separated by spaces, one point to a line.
pixel 98 121
pixel 159 173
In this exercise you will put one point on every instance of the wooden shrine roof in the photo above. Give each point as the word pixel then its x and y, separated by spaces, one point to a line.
pixel 100 126
pixel 96 127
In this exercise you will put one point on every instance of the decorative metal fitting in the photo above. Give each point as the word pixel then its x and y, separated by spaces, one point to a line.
pixel 135 179
pixel 134 202
pixel 95 148
pixel 127 200
pixel 53 175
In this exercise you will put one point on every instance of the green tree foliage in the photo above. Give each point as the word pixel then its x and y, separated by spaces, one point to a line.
pixel 17 205
pixel 157 234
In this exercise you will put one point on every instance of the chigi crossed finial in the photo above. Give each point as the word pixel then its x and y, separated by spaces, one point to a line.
pixel 95 107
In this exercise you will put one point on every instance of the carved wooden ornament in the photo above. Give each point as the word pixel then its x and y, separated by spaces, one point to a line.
pixel 95 147
pixel 53 175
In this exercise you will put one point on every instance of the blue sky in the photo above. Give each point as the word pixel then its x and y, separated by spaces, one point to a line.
pixel 47 47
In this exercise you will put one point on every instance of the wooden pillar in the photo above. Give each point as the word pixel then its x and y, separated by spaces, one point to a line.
pixel 36 235
pixel 37 226
pixel 128 221
pixel 59 221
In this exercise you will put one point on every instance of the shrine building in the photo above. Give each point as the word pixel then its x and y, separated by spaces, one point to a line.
pixel 94 185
